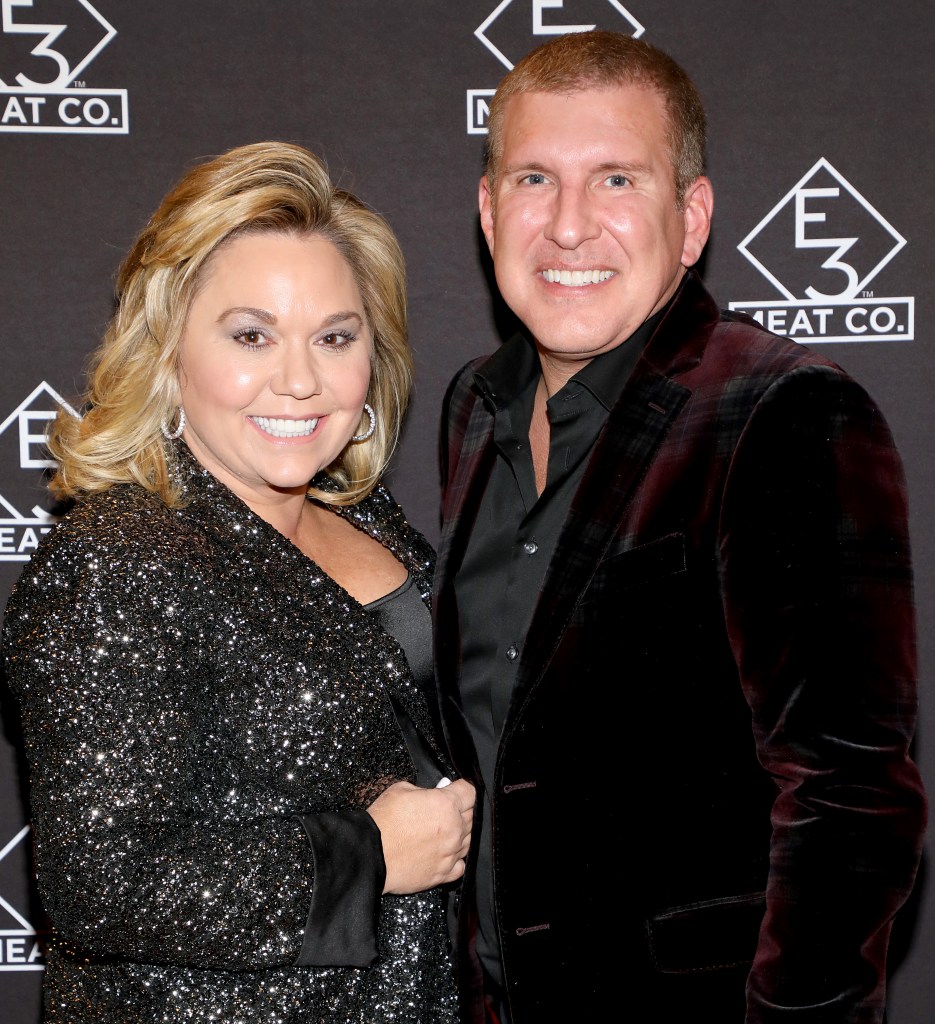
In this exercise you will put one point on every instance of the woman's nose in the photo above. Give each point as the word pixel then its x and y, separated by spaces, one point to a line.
pixel 296 374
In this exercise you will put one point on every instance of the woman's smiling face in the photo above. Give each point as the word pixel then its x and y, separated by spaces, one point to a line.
pixel 274 363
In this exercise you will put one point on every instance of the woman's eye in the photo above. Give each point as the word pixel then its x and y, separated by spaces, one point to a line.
pixel 337 339
pixel 250 337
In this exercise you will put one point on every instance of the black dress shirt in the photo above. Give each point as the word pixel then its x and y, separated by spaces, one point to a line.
pixel 511 546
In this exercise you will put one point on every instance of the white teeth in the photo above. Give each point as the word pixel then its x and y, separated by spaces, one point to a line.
pixel 285 428
pixel 576 278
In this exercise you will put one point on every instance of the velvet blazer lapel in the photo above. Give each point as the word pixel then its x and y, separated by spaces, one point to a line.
pixel 467 454
pixel 465 466
pixel 636 427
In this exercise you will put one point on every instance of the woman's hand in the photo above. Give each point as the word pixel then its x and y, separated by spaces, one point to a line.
pixel 425 834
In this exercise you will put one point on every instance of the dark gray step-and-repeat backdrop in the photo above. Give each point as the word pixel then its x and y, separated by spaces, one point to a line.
pixel 821 149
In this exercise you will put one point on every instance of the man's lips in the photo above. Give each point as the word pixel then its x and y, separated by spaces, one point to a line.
pixel 576 278
pixel 285 428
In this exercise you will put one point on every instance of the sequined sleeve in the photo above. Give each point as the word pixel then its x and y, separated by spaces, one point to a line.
pixel 103 645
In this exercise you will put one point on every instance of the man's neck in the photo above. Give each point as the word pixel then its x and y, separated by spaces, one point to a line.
pixel 540 435
pixel 558 371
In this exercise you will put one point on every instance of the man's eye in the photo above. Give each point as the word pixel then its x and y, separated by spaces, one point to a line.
pixel 617 180
pixel 534 179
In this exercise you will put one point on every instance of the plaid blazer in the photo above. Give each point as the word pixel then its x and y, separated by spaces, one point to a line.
pixel 704 796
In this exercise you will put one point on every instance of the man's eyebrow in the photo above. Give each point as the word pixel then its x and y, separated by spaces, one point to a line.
pixel 623 166
pixel 528 167
pixel 606 166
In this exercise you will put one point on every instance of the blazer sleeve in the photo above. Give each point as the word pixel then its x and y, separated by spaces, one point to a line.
pixel 105 671
pixel 818 600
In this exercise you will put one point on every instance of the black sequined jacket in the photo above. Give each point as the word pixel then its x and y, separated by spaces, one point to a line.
pixel 206 716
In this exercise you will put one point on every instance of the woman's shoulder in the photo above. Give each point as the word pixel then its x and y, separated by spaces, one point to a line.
pixel 120 556
pixel 383 518
pixel 124 517
pixel 118 533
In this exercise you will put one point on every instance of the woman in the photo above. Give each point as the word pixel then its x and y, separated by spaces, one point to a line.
pixel 223 671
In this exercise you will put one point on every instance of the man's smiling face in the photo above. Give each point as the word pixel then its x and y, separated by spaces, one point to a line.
pixel 587 236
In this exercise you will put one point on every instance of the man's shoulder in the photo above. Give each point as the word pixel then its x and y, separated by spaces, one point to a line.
pixel 496 374
pixel 462 392
pixel 700 342
pixel 739 348
pixel 464 379
pixel 743 330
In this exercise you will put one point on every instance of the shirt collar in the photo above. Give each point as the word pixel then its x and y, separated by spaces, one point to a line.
pixel 514 368
pixel 607 374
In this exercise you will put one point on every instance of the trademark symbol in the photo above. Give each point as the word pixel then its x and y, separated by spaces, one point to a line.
pixel 866 295
pixel 79 85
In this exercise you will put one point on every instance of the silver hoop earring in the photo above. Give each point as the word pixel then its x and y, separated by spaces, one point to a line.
pixel 171 435
pixel 368 409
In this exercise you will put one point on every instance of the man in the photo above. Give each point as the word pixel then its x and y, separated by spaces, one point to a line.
pixel 673 603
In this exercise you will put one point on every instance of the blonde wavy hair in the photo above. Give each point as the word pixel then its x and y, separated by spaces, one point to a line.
pixel 133 377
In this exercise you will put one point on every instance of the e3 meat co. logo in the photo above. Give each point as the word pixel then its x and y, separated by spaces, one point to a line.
pixel 24 461
pixel 45 47
pixel 515 27
pixel 20 944
pixel 821 245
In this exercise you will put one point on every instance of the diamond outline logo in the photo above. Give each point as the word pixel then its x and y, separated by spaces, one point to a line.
pixel 66 105
pixel 839 246
pixel 541 29
pixel 37 521
pixel 855 313
pixel 44 48
pixel 11 935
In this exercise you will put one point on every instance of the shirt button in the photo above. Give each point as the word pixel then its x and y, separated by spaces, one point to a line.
pixel 512 653
pixel 530 547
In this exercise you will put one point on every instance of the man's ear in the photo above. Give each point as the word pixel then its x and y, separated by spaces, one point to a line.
pixel 485 203
pixel 697 208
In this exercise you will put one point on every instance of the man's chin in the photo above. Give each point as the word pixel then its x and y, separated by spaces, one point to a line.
pixel 575 349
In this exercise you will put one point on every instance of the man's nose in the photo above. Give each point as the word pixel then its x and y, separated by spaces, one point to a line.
pixel 296 373
pixel 573 219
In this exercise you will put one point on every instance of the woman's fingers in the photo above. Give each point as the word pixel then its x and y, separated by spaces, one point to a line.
pixel 425 833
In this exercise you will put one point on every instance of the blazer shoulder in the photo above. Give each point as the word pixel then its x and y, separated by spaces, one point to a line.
pixel 122 523
pixel 461 394
pixel 740 350
pixel 107 543
pixel 747 373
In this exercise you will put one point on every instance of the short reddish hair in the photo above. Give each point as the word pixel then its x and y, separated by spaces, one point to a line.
pixel 596 60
